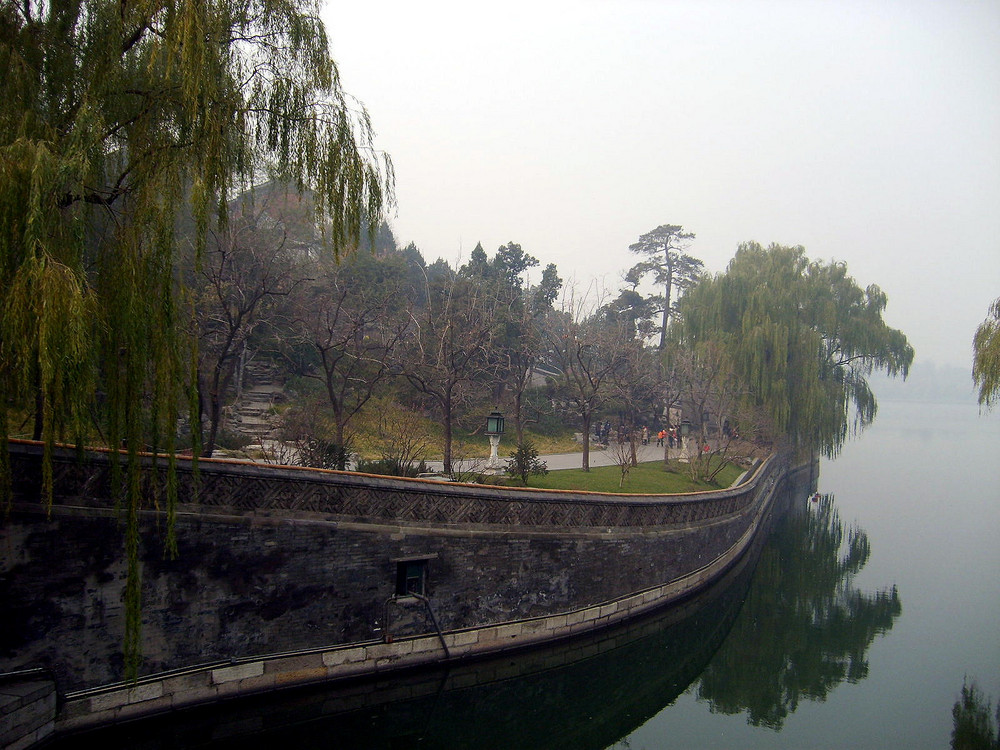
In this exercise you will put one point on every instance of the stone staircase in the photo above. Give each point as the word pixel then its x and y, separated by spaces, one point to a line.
pixel 262 389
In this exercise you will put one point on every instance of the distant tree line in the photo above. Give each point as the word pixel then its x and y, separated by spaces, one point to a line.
pixel 776 347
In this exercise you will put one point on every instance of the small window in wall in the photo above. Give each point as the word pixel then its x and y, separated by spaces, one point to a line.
pixel 411 576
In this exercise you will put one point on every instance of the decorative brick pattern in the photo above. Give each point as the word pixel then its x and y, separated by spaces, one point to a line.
pixel 252 489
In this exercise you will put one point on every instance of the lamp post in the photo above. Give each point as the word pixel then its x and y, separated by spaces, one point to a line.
pixel 494 429
pixel 685 431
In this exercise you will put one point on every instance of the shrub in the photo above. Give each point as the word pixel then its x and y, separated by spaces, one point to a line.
pixel 231 440
pixel 323 454
pixel 392 467
pixel 524 462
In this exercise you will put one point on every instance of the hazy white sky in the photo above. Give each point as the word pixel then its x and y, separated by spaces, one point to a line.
pixel 866 131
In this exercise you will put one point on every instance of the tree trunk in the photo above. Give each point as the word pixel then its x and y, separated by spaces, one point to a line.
pixel 518 424
pixel 219 384
pixel 446 409
pixel 213 424
pixel 339 420
pixel 666 443
pixel 206 445
pixel 586 419
pixel 666 303
pixel 240 369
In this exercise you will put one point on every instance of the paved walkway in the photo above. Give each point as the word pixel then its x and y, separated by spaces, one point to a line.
pixel 599 456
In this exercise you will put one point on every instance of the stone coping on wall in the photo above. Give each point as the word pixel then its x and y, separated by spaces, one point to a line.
pixel 239 488
pixel 27 708
pixel 242 677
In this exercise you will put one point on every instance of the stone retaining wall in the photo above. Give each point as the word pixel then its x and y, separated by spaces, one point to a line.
pixel 289 576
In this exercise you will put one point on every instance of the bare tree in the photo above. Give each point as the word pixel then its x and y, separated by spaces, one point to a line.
pixel 633 389
pixel 401 439
pixel 447 356
pixel 712 395
pixel 587 355
pixel 248 264
pixel 351 318
pixel 622 452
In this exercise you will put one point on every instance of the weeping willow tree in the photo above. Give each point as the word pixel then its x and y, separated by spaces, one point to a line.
pixel 115 116
pixel 803 337
pixel 986 358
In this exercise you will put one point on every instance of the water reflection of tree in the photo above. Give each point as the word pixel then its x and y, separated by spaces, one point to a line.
pixel 804 627
pixel 973 728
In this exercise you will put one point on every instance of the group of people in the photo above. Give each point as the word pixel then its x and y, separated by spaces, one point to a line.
pixel 669 437
pixel 603 431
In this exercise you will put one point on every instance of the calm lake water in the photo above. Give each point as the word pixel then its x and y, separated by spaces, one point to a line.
pixel 923 483
pixel 853 625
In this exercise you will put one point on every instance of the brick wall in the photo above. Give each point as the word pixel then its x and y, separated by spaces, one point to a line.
pixel 256 581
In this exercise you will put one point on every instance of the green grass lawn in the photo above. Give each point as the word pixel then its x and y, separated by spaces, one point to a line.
pixel 646 478
pixel 465 445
